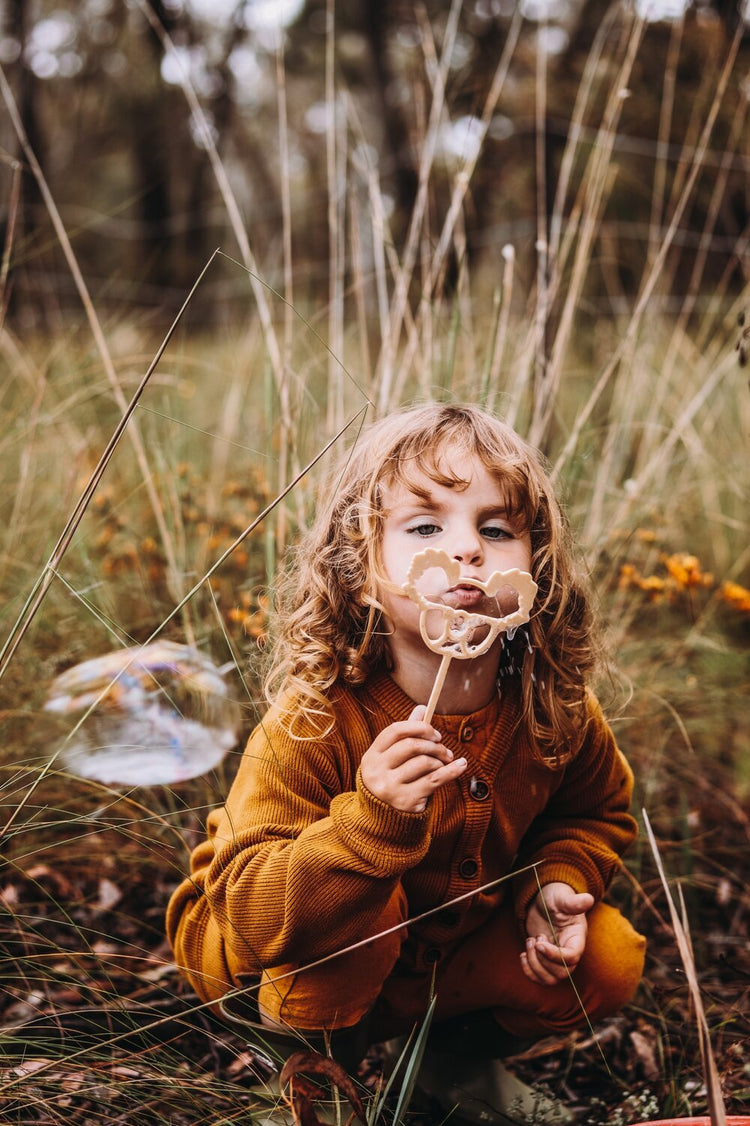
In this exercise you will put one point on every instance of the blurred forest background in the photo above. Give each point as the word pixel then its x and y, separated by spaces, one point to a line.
pixel 98 90
pixel 538 205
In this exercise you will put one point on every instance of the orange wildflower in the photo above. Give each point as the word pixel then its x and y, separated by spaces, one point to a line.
pixel 255 624
pixel 736 595
pixel 629 576
pixel 686 570
pixel 654 587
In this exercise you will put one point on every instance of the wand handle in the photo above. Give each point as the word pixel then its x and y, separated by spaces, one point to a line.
pixel 437 687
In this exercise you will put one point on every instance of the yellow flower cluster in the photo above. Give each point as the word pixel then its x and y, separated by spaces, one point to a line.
pixel 685 571
pixel 683 575
pixel 736 595
pixel 125 544
pixel 252 615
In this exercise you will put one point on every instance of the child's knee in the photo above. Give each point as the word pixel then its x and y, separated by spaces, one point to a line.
pixel 613 962
pixel 609 972
pixel 338 993
pixel 335 995
pixel 605 980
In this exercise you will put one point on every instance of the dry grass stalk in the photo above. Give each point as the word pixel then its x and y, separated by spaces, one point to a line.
pixel 595 185
pixel 10 231
pixel 734 141
pixel 540 389
pixel 335 137
pixel 662 140
pixel 707 326
pixel 560 224
pixel 462 180
pixel 409 258
pixel 493 381
pixel 359 285
pixel 681 930
pixel 288 444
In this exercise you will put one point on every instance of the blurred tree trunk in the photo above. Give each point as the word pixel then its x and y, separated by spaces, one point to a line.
pixel 377 24
pixel 150 143
pixel 31 213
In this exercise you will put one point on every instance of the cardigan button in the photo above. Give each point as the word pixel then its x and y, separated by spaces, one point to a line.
pixel 432 955
pixel 467 733
pixel 468 868
pixel 478 789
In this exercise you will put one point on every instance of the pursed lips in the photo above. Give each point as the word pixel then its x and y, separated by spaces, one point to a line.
pixel 464 595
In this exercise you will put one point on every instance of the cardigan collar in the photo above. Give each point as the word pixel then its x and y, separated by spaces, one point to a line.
pixel 398 705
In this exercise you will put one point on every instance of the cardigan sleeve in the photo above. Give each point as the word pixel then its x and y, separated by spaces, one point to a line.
pixel 301 860
pixel 586 825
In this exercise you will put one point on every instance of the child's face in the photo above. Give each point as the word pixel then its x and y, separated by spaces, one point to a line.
pixel 471 524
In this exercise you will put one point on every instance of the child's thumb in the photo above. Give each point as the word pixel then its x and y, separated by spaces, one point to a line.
pixel 580 903
pixel 418 712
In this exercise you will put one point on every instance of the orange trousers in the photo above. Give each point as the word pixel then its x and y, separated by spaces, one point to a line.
pixel 392 981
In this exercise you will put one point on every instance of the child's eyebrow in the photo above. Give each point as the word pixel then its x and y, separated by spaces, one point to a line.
pixel 424 496
pixel 412 497
pixel 421 497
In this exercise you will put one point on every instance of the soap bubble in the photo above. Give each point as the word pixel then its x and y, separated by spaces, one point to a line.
pixel 148 715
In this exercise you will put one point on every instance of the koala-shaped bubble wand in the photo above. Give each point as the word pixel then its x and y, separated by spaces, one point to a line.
pixel 461 608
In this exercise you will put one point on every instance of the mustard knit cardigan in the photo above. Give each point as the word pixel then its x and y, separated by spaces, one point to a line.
pixel 302 858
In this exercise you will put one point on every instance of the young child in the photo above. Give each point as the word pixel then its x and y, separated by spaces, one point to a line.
pixel 350 815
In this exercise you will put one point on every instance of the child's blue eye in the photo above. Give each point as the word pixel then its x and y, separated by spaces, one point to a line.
pixel 493 533
pixel 425 529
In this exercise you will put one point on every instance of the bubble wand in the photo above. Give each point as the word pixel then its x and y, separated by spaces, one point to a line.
pixel 458 626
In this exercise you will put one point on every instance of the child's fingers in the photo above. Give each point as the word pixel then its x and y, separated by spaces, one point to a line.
pixel 422 789
pixel 425 767
pixel 406 750
pixel 403 730
pixel 538 968
pixel 533 971
pixel 395 788
pixel 568 953
pixel 557 959
pixel 549 952
pixel 548 957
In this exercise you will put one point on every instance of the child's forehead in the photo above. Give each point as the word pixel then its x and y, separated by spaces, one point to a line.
pixel 442 457
pixel 449 466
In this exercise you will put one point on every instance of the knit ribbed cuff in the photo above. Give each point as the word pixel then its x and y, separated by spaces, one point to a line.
pixel 389 840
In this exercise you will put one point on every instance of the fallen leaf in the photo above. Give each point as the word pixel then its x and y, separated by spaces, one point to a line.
pixel 28 1067
pixel 302 1092
pixel 109 895
pixel 645 1050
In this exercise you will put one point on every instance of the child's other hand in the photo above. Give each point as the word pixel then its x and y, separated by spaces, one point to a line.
pixel 546 961
pixel 407 762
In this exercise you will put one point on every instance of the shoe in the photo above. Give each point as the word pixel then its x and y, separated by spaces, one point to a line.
pixel 485 1093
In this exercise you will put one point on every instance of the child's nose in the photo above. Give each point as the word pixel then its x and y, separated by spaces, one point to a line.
pixel 468 547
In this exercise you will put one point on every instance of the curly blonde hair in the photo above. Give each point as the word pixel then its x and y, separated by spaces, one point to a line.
pixel 329 624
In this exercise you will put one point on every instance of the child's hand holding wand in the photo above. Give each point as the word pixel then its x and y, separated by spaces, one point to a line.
pixel 554 951
pixel 407 762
